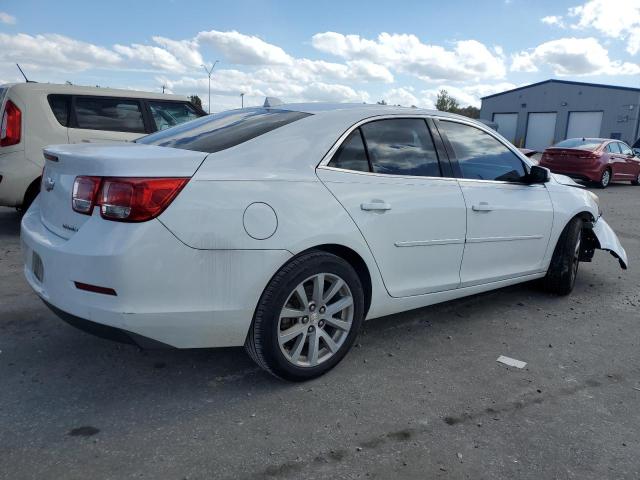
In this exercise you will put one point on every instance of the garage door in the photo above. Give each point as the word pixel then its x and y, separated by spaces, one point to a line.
pixel 541 129
pixel 507 124
pixel 584 124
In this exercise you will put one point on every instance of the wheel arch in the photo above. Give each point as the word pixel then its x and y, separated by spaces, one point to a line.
pixel 354 259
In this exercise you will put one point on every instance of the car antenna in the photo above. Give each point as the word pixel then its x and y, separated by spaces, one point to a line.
pixel 25 77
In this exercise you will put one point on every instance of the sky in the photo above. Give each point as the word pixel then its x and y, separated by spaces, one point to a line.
pixel 402 52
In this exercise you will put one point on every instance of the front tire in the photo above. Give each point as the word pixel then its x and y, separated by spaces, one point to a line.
pixel 307 318
pixel 563 270
pixel 636 181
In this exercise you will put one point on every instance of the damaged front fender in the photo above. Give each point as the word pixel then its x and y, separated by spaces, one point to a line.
pixel 608 240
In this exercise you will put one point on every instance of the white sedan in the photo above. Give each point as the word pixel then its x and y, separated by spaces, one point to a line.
pixel 283 228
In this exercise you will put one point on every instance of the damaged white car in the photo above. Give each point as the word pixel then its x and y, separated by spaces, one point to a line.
pixel 282 228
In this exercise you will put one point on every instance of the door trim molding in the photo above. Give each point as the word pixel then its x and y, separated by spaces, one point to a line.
pixel 426 243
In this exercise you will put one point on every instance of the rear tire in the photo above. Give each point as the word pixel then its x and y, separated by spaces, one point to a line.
pixel 605 178
pixel 636 181
pixel 307 318
pixel 30 195
pixel 561 276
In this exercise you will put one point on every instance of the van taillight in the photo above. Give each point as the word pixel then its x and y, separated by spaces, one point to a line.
pixel 125 199
pixel 11 125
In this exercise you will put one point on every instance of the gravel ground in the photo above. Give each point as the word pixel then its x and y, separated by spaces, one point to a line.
pixel 420 396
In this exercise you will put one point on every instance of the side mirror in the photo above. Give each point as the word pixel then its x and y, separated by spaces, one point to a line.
pixel 636 152
pixel 538 174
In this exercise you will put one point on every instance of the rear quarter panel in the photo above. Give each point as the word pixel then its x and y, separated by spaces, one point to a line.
pixel 208 214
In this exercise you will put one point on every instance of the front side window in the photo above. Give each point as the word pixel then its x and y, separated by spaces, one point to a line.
pixel 169 114
pixel 480 155
pixel 105 113
pixel 401 147
pixel 220 131
pixel 625 149
pixel 351 155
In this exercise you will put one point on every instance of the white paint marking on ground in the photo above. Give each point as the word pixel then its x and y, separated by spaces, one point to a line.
pixel 512 362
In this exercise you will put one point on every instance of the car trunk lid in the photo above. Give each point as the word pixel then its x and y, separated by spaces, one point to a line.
pixel 569 157
pixel 66 162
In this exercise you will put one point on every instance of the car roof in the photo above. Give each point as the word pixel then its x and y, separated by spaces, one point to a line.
pixel 48 88
pixel 592 139
pixel 367 109
pixel 307 140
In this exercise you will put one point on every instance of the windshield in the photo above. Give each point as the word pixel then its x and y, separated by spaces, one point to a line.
pixel 222 130
pixel 581 143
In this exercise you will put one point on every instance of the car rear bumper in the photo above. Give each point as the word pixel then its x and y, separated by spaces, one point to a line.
pixel 166 292
pixel 588 174
pixel 17 174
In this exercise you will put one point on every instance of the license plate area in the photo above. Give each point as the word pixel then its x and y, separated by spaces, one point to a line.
pixel 37 267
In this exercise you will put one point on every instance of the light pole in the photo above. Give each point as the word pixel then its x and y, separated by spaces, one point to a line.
pixel 242 100
pixel 209 72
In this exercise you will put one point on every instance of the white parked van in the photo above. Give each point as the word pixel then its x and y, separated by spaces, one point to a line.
pixel 35 115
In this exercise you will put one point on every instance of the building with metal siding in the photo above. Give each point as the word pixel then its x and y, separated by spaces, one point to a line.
pixel 538 115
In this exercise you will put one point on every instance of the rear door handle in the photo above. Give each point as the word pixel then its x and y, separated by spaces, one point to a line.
pixel 375 206
pixel 482 207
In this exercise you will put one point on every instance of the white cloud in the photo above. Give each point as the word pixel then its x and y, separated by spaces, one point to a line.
pixel 555 20
pixel 614 19
pixel 402 96
pixel 7 19
pixel 57 52
pixel 186 50
pixel 241 49
pixel 155 56
pixel 469 59
pixel 572 56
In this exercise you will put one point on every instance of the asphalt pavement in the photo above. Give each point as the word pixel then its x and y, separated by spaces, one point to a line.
pixel 420 396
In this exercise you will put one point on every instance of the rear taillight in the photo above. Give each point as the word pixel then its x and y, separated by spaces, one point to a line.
pixel 588 156
pixel 125 199
pixel 10 129
pixel 85 190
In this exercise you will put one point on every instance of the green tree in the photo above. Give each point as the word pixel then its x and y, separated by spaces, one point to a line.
pixel 445 102
pixel 195 99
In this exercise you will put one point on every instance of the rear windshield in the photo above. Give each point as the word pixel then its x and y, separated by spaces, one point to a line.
pixel 581 143
pixel 222 130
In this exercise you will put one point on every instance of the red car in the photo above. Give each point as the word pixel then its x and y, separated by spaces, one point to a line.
pixel 599 160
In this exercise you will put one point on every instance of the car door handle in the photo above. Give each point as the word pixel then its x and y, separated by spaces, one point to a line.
pixel 375 206
pixel 481 207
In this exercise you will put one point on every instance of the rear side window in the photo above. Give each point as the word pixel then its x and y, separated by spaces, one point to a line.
pixel 61 107
pixel 220 131
pixel 613 147
pixel 401 147
pixel 169 114
pixel 480 155
pixel 351 155
pixel 106 113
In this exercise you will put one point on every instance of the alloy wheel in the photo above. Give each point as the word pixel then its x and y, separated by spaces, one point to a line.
pixel 315 320
pixel 606 178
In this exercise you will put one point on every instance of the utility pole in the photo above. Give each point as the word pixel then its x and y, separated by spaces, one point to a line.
pixel 209 72
pixel 242 100
pixel 163 87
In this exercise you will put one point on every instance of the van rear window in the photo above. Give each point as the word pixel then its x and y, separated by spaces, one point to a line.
pixel 220 131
